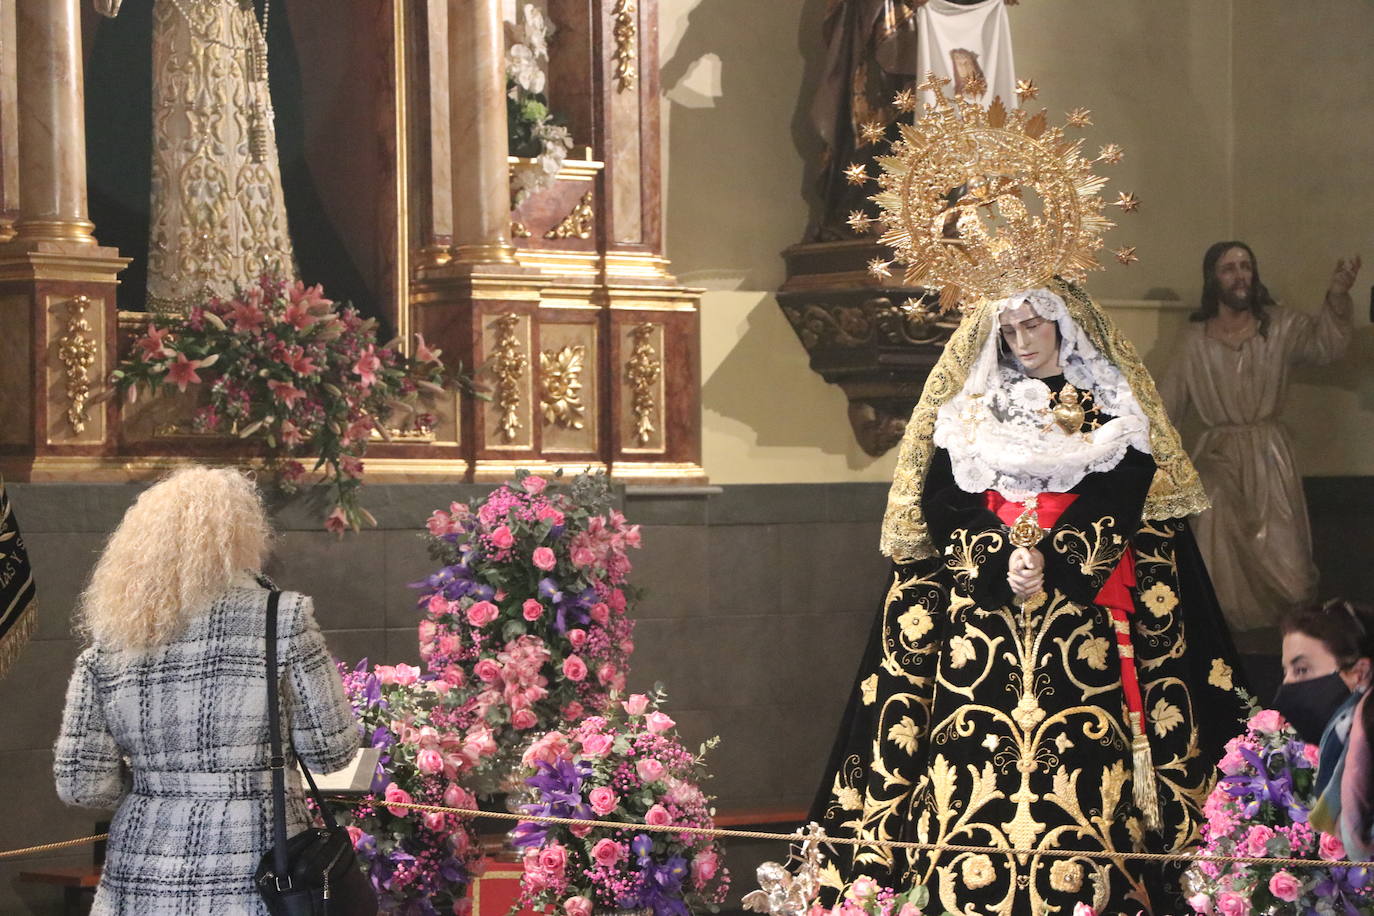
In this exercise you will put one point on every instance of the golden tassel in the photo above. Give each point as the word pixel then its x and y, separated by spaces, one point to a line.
pixel 1143 779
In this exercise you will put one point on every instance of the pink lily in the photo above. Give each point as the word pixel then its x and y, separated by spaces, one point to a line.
pixel 285 392
pixel 423 352
pixel 367 367
pixel 182 371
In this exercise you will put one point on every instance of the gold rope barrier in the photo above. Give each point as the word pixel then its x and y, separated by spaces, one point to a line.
pixel 785 837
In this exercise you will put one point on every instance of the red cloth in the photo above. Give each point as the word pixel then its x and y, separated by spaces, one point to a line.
pixel 1115 594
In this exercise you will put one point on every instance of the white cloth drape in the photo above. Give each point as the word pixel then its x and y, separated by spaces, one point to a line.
pixel 956 41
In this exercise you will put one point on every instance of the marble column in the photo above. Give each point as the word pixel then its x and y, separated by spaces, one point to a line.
pixel 481 182
pixel 52 128
pixel 9 124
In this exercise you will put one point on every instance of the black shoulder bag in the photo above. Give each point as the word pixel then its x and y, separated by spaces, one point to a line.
pixel 315 873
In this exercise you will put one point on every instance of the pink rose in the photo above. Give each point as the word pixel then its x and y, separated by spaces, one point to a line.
pixel 603 800
pixel 428 630
pixel 704 867
pixel 617 600
pixel 429 762
pixel 549 514
pixel 1312 754
pixel 1257 840
pixel 355 834
pixel 544 558
pixel 397 795
pixel 548 748
pixel 577 637
pixel 574 669
pixel 531 610
pixel 606 674
pixel 553 858
pixel 449 643
pixel 600 613
pixel 386 674
pixel 501 538
pixel 1284 886
pixel 482 613
pixel 433 820
pixel 573 711
pixel 636 704
pixel 608 852
pixel 1230 903
pixel 455 796
pixel 523 719
pixel 437 604
pixel 407 674
pixel 582 556
pixel 580 831
pixel 577 906
pixel 657 816
pixel 649 770
pixel 1266 720
pixel 487 671
pixel 534 485
pixel 1330 848
pixel 454 675
pixel 657 722
pixel 597 745
pixel 1201 903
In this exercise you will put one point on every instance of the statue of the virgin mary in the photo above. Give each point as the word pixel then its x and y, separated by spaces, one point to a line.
pixel 218 214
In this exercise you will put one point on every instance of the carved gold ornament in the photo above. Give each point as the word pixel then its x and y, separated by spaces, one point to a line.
pixel 642 372
pixel 626 32
pixel 579 223
pixel 508 363
pixel 76 348
pixel 561 386
pixel 985 202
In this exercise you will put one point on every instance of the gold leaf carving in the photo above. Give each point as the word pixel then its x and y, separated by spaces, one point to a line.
pixel 642 372
pixel 626 32
pixel 561 386
pixel 76 349
pixel 508 363
pixel 579 223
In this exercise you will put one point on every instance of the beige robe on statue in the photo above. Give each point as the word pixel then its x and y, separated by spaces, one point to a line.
pixel 1255 539
pixel 218 217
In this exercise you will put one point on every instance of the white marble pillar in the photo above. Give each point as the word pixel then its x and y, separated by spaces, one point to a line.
pixel 481 182
pixel 52 127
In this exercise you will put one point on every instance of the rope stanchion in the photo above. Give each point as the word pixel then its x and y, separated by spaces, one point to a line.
pixel 788 838
pixel 51 847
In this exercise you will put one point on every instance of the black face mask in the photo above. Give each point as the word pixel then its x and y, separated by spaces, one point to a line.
pixel 1309 705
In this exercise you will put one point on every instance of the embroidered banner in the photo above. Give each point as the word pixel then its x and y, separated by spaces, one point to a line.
pixel 18 609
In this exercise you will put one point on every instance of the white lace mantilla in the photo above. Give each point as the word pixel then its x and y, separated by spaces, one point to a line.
pixel 999 431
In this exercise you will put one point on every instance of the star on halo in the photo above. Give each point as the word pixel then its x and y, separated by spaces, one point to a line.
pixel 1126 255
pixel 871 132
pixel 856 174
pixel 974 87
pixel 1079 117
pixel 905 100
pixel 1026 90
pixel 859 221
pixel 880 268
pixel 1127 201
pixel 1110 154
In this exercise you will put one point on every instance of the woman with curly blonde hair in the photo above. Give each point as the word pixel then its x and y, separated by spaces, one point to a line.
pixel 166 714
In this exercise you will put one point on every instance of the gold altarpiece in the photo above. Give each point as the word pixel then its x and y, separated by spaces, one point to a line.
pixel 589 346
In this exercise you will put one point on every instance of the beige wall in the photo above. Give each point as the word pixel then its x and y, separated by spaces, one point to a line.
pixel 1237 119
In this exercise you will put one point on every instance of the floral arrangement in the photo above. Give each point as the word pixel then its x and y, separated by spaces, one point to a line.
pixel 419 862
pixel 283 364
pixel 528 615
pixel 535 132
pixel 628 766
pixel 1259 808
pixel 866 897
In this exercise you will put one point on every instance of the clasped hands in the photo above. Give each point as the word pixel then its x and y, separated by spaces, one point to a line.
pixel 1342 278
pixel 1026 572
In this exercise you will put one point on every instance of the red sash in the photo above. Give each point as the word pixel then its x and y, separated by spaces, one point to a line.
pixel 1115 594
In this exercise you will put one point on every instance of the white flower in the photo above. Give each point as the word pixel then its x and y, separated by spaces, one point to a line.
pixel 536 31
pixel 522 67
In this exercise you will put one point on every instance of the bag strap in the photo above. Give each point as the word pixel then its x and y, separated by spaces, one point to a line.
pixel 278 760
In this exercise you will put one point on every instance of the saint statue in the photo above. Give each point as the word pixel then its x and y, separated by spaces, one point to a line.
pixel 218 214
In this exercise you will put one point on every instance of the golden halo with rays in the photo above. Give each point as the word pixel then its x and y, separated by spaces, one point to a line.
pixel 984 202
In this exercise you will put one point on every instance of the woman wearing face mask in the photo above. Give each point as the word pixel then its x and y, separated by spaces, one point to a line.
pixel 1328 658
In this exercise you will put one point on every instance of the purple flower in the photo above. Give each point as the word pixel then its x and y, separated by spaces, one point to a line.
pixel 641 846
pixel 560 790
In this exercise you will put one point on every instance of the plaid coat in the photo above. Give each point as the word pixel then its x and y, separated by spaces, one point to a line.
pixel 176 740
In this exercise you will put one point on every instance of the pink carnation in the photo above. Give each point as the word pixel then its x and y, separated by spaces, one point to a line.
pixel 482 613
pixel 544 558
